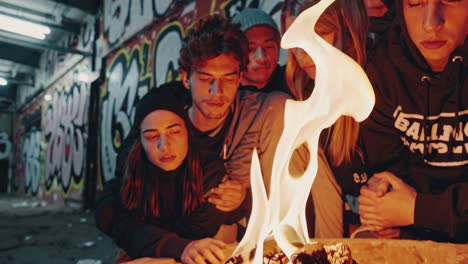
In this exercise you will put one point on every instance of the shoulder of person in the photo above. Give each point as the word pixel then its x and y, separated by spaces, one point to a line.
pixel 379 50
pixel 246 94
pixel 380 67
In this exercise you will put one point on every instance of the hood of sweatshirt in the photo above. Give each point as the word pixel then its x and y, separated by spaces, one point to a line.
pixel 433 90
pixel 406 51
pixel 427 111
pixel 419 128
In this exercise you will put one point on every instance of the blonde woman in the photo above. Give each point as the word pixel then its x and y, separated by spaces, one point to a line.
pixel 341 161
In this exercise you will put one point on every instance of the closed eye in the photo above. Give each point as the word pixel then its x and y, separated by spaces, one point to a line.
pixel 415 3
pixel 151 135
pixel 175 131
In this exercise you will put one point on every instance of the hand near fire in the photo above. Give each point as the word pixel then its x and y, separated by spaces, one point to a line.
pixel 204 251
pixel 227 196
pixel 382 210
pixel 378 185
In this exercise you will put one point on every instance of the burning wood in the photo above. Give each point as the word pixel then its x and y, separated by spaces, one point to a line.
pixel 313 253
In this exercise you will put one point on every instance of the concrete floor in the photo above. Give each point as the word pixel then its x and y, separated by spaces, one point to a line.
pixel 35 232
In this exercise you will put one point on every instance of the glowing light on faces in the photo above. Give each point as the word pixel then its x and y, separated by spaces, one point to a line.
pixel 164 139
pixel 263 55
pixel 341 88
pixel 435 27
pixel 213 87
pixel 304 60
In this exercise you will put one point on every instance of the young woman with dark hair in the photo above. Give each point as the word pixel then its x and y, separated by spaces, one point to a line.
pixel 164 186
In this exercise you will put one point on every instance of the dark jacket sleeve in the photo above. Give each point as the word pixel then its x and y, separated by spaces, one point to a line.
pixel 451 220
pixel 205 221
pixel 137 238
pixel 214 173
pixel 140 239
pixel 445 212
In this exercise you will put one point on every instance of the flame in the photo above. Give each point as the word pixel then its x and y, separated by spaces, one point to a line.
pixel 341 88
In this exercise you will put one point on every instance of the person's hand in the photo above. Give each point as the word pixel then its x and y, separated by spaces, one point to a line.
pixel 204 251
pixel 395 208
pixel 151 261
pixel 378 185
pixel 387 233
pixel 227 196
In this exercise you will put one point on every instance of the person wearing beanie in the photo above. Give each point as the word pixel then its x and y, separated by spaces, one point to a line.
pixel 163 98
pixel 164 185
pixel 263 71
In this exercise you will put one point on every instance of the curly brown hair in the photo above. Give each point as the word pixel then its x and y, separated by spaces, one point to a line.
pixel 209 38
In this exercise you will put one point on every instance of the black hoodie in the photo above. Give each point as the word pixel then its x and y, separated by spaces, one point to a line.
pixel 413 101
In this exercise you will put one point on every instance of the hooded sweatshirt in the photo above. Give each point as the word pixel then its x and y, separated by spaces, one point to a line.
pixel 419 131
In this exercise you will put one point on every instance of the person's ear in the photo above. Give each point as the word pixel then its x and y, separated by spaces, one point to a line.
pixel 185 80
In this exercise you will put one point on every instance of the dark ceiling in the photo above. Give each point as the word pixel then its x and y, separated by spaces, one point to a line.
pixel 19 55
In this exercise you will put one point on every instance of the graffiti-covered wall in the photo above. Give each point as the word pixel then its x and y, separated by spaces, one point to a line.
pixel 50 139
pixel 5 156
pixel 147 59
pixel 5 135
pixel 139 41
pixel 5 145
pixel 123 19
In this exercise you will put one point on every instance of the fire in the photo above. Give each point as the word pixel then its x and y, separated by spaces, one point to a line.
pixel 341 88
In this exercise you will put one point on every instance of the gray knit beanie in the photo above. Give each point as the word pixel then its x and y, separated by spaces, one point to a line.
pixel 250 17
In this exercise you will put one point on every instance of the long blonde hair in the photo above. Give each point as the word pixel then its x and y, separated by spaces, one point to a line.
pixel 348 18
